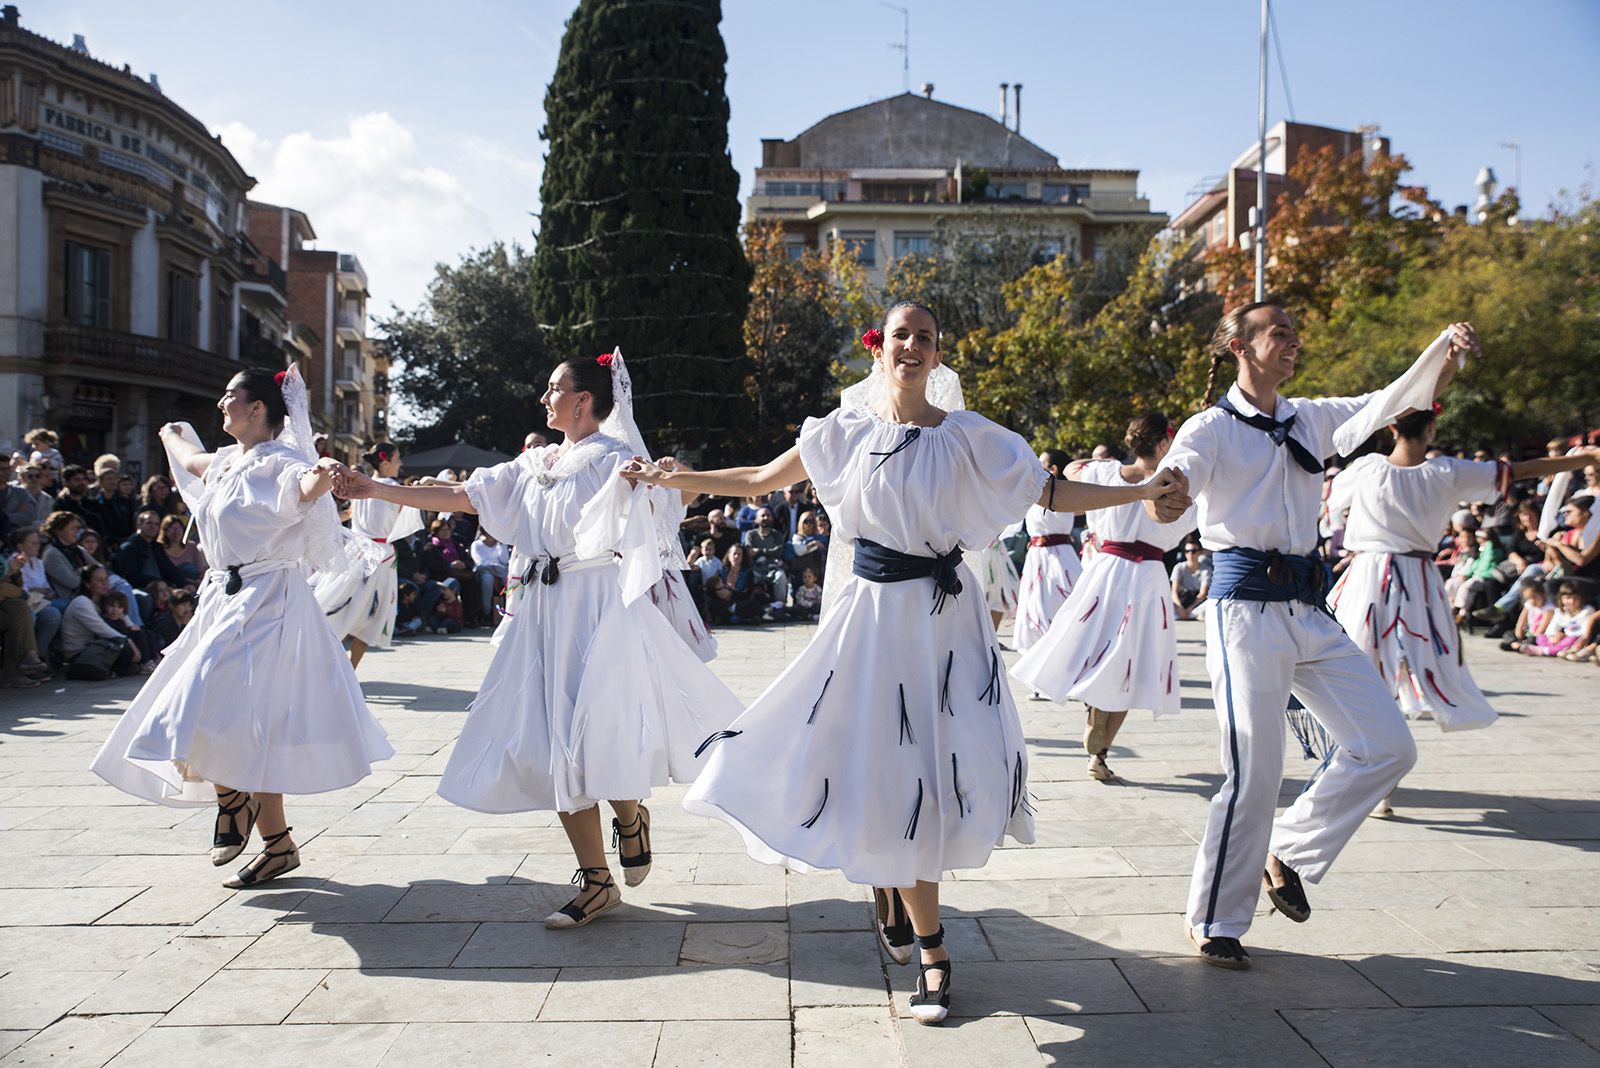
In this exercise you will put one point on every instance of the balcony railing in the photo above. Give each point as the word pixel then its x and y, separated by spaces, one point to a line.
pixel 93 349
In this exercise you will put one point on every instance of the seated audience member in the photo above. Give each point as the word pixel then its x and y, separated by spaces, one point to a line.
pixel 447 613
pixel 408 615
pixel 1567 626
pixel 114 610
pixel 1468 585
pixel 738 596
pixel 490 559
pixel 808 595
pixel 1531 620
pixel 444 563
pixel 1191 580
pixel 765 548
pixel 83 627
pixel 142 559
pixel 185 555
pixel 807 548
pixel 20 664
pixel 30 576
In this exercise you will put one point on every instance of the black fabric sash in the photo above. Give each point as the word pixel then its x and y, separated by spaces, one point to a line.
pixel 879 563
pixel 1278 431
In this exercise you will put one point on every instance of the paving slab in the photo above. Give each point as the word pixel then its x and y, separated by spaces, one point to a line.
pixel 1483 979
pixel 1210 1039
pixel 689 992
pixel 344 1045
pixel 741 1043
pixel 1491 1037
pixel 81 1041
pixel 844 1037
pixel 601 1045
pixel 434 995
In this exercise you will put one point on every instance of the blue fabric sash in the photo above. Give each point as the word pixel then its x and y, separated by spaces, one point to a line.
pixel 879 563
pixel 1254 575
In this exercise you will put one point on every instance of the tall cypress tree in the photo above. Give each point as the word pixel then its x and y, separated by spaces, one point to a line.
pixel 638 239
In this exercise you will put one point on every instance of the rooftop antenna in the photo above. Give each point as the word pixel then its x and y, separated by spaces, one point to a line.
pixel 904 46
pixel 1516 147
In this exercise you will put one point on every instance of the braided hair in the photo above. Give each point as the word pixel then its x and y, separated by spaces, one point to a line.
pixel 1234 326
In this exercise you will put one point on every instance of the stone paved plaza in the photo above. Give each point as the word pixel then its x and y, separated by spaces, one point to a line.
pixel 1464 932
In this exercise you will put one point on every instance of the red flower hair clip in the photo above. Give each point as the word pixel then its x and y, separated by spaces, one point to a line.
pixel 604 360
pixel 1438 406
pixel 873 338
pixel 279 377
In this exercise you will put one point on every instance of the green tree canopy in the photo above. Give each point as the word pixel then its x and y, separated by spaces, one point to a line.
pixel 472 362
pixel 638 240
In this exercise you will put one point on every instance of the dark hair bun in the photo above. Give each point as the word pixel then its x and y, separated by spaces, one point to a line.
pixel 594 378
pixel 266 386
pixel 1146 433
pixel 382 452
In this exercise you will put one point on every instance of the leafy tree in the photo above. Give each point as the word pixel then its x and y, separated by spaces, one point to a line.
pixel 472 361
pixel 1076 366
pixel 638 241
pixel 803 314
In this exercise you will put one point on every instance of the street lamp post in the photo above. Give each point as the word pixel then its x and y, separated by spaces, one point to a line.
pixel 1260 220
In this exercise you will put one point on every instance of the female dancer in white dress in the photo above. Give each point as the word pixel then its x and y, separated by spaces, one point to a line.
pixel 590 696
pixel 1391 599
pixel 1000 582
pixel 1051 567
pixel 360 606
pixel 890 748
pixel 1113 644
pixel 256 699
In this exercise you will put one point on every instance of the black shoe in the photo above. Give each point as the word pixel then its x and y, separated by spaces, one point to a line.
pixel 229 839
pixel 636 867
pixel 932 1008
pixel 268 865
pixel 896 938
pixel 1290 898
pixel 1221 952
pixel 580 910
pixel 1499 630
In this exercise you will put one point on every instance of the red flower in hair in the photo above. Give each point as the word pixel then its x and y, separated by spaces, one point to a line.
pixel 279 377
pixel 1438 406
pixel 873 338
pixel 604 360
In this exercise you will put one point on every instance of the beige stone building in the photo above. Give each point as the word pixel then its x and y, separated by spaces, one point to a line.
pixel 883 177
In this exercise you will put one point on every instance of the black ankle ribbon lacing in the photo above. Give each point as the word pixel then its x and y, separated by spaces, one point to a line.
pixel 717 737
pixel 912 434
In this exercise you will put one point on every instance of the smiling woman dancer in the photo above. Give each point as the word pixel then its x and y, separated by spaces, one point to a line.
pixel 1391 599
pixel 1113 644
pixel 359 606
pixel 890 749
pixel 256 699
pixel 590 695
pixel 1255 463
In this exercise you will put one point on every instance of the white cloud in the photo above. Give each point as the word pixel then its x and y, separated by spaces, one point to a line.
pixel 371 189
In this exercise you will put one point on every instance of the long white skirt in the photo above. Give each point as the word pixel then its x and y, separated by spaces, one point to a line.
pixel 358 605
pixel 1048 575
pixel 256 694
pixel 889 749
pixel 1112 645
pixel 1000 582
pixel 586 699
pixel 1396 610
pixel 671 596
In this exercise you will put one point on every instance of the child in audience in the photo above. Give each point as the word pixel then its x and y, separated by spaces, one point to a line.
pixel 1535 616
pixel 1566 626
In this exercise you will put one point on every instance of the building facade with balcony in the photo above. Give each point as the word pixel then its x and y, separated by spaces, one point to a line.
pixel 885 176
pixel 120 254
pixel 1219 214
pixel 327 291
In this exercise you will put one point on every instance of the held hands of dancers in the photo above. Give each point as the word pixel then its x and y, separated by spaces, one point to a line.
pixel 320 478
pixel 349 484
pixel 1167 495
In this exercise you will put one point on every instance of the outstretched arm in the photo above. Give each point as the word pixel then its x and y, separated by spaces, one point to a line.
pixel 1550 465
pixel 185 453
pixel 354 486
pixel 728 482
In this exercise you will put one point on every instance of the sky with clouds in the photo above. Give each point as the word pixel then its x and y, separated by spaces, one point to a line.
pixel 408 131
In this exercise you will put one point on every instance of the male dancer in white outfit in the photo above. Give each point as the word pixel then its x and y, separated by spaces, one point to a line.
pixel 1257 480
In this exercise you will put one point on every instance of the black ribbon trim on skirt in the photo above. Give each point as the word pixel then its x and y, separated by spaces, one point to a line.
pixel 905 720
pixel 955 785
pixel 991 693
pixel 879 563
pixel 717 737
pixel 944 690
pixel 813 820
pixel 812 718
pixel 1016 786
pixel 916 814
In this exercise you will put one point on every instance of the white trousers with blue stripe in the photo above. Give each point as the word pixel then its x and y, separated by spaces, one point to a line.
pixel 1257 654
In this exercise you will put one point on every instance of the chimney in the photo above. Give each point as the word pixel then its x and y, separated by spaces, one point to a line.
pixel 927 90
pixel 1017 119
pixel 1005 103
pixel 79 44
pixel 155 82
pixel 12 15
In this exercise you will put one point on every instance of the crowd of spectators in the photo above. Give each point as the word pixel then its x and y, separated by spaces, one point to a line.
pixel 102 573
